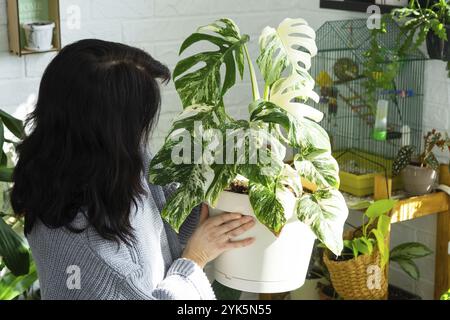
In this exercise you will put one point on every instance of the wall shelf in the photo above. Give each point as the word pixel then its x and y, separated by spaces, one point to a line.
pixel 26 11
pixel 348 5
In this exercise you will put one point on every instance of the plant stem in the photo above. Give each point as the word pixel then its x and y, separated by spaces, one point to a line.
pixel 255 89
pixel 266 92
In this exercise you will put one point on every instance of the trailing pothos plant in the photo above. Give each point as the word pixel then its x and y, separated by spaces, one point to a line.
pixel 17 270
pixel 279 118
pixel 373 235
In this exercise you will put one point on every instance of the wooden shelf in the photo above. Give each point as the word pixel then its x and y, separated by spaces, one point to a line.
pixel 25 11
pixel 358 6
pixel 421 206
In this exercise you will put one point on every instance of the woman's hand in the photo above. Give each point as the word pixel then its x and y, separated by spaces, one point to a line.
pixel 213 236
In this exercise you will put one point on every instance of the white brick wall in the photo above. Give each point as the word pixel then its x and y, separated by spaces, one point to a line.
pixel 159 26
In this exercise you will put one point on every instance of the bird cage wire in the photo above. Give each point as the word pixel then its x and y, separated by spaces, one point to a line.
pixel 349 118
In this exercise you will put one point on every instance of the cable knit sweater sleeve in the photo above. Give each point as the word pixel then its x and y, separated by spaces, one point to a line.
pixel 184 281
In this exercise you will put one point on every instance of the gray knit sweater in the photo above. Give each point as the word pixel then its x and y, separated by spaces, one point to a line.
pixel 86 266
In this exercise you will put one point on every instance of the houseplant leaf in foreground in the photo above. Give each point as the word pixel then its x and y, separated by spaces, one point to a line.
pixel 314 162
pixel 205 84
pixel 325 212
pixel 13 251
pixel 13 286
pixel 194 175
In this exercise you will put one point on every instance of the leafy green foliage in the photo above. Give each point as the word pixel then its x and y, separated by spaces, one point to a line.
pixel 373 236
pixel 416 21
pixel 381 67
pixel 13 286
pixel 404 254
pixel 257 147
pixel 13 250
pixel 18 271
pixel 322 211
pixel 446 296
pixel 204 85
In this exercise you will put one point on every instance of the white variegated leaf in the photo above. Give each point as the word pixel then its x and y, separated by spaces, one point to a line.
pixel 325 212
pixel 319 168
pixel 267 207
pixel 288 92
pixel 292 45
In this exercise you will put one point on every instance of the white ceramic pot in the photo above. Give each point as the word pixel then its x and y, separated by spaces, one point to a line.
pixel 39 35
pixel 271 264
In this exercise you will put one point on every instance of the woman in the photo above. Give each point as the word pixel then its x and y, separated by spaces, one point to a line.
pixel 92 220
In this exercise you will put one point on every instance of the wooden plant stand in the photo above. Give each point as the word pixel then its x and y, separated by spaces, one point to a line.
pixel 421 206
pixel 410 209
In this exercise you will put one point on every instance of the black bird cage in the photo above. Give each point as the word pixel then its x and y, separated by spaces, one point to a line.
pixel 367 124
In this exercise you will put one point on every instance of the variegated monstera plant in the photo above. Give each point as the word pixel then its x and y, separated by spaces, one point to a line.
pixel 202 80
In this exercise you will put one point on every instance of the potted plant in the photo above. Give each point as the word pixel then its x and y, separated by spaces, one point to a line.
pixel 426 20
pixel 419 175
pixel 360 272
pixel 207 150
pixel 39 35
pixel 365 257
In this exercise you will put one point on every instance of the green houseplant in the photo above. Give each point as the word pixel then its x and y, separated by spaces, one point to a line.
pixel 365 248
pixel 419 175
pixel 17 270
pixel 195 156
pixel 426 20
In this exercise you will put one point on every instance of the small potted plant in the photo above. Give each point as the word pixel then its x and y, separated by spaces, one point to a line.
pixel 419 175
pixel 238 165
pixel 365 257
pixel 426 20
pixel 39 35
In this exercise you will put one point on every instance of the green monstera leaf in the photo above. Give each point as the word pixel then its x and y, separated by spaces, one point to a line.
pixel 205 85
pixel 180 161
pixel 325 212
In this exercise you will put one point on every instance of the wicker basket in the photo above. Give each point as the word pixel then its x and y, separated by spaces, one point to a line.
pixel 350 277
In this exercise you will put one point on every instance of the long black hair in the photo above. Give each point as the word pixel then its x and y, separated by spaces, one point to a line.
pixel 97 104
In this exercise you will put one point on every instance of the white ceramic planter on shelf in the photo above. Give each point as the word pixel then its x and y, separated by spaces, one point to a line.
pixel 271 264
pixel 39 35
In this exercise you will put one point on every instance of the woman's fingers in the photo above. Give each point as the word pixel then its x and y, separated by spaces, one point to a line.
pixel 224 218
pixel 240 230
pixel 226 237
pixel 239 244
pixel 231 225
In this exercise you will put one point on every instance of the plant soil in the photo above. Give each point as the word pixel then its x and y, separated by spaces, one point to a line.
pixel 238 186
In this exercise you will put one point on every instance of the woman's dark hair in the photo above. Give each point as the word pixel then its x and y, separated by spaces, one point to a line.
pixel 97 104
